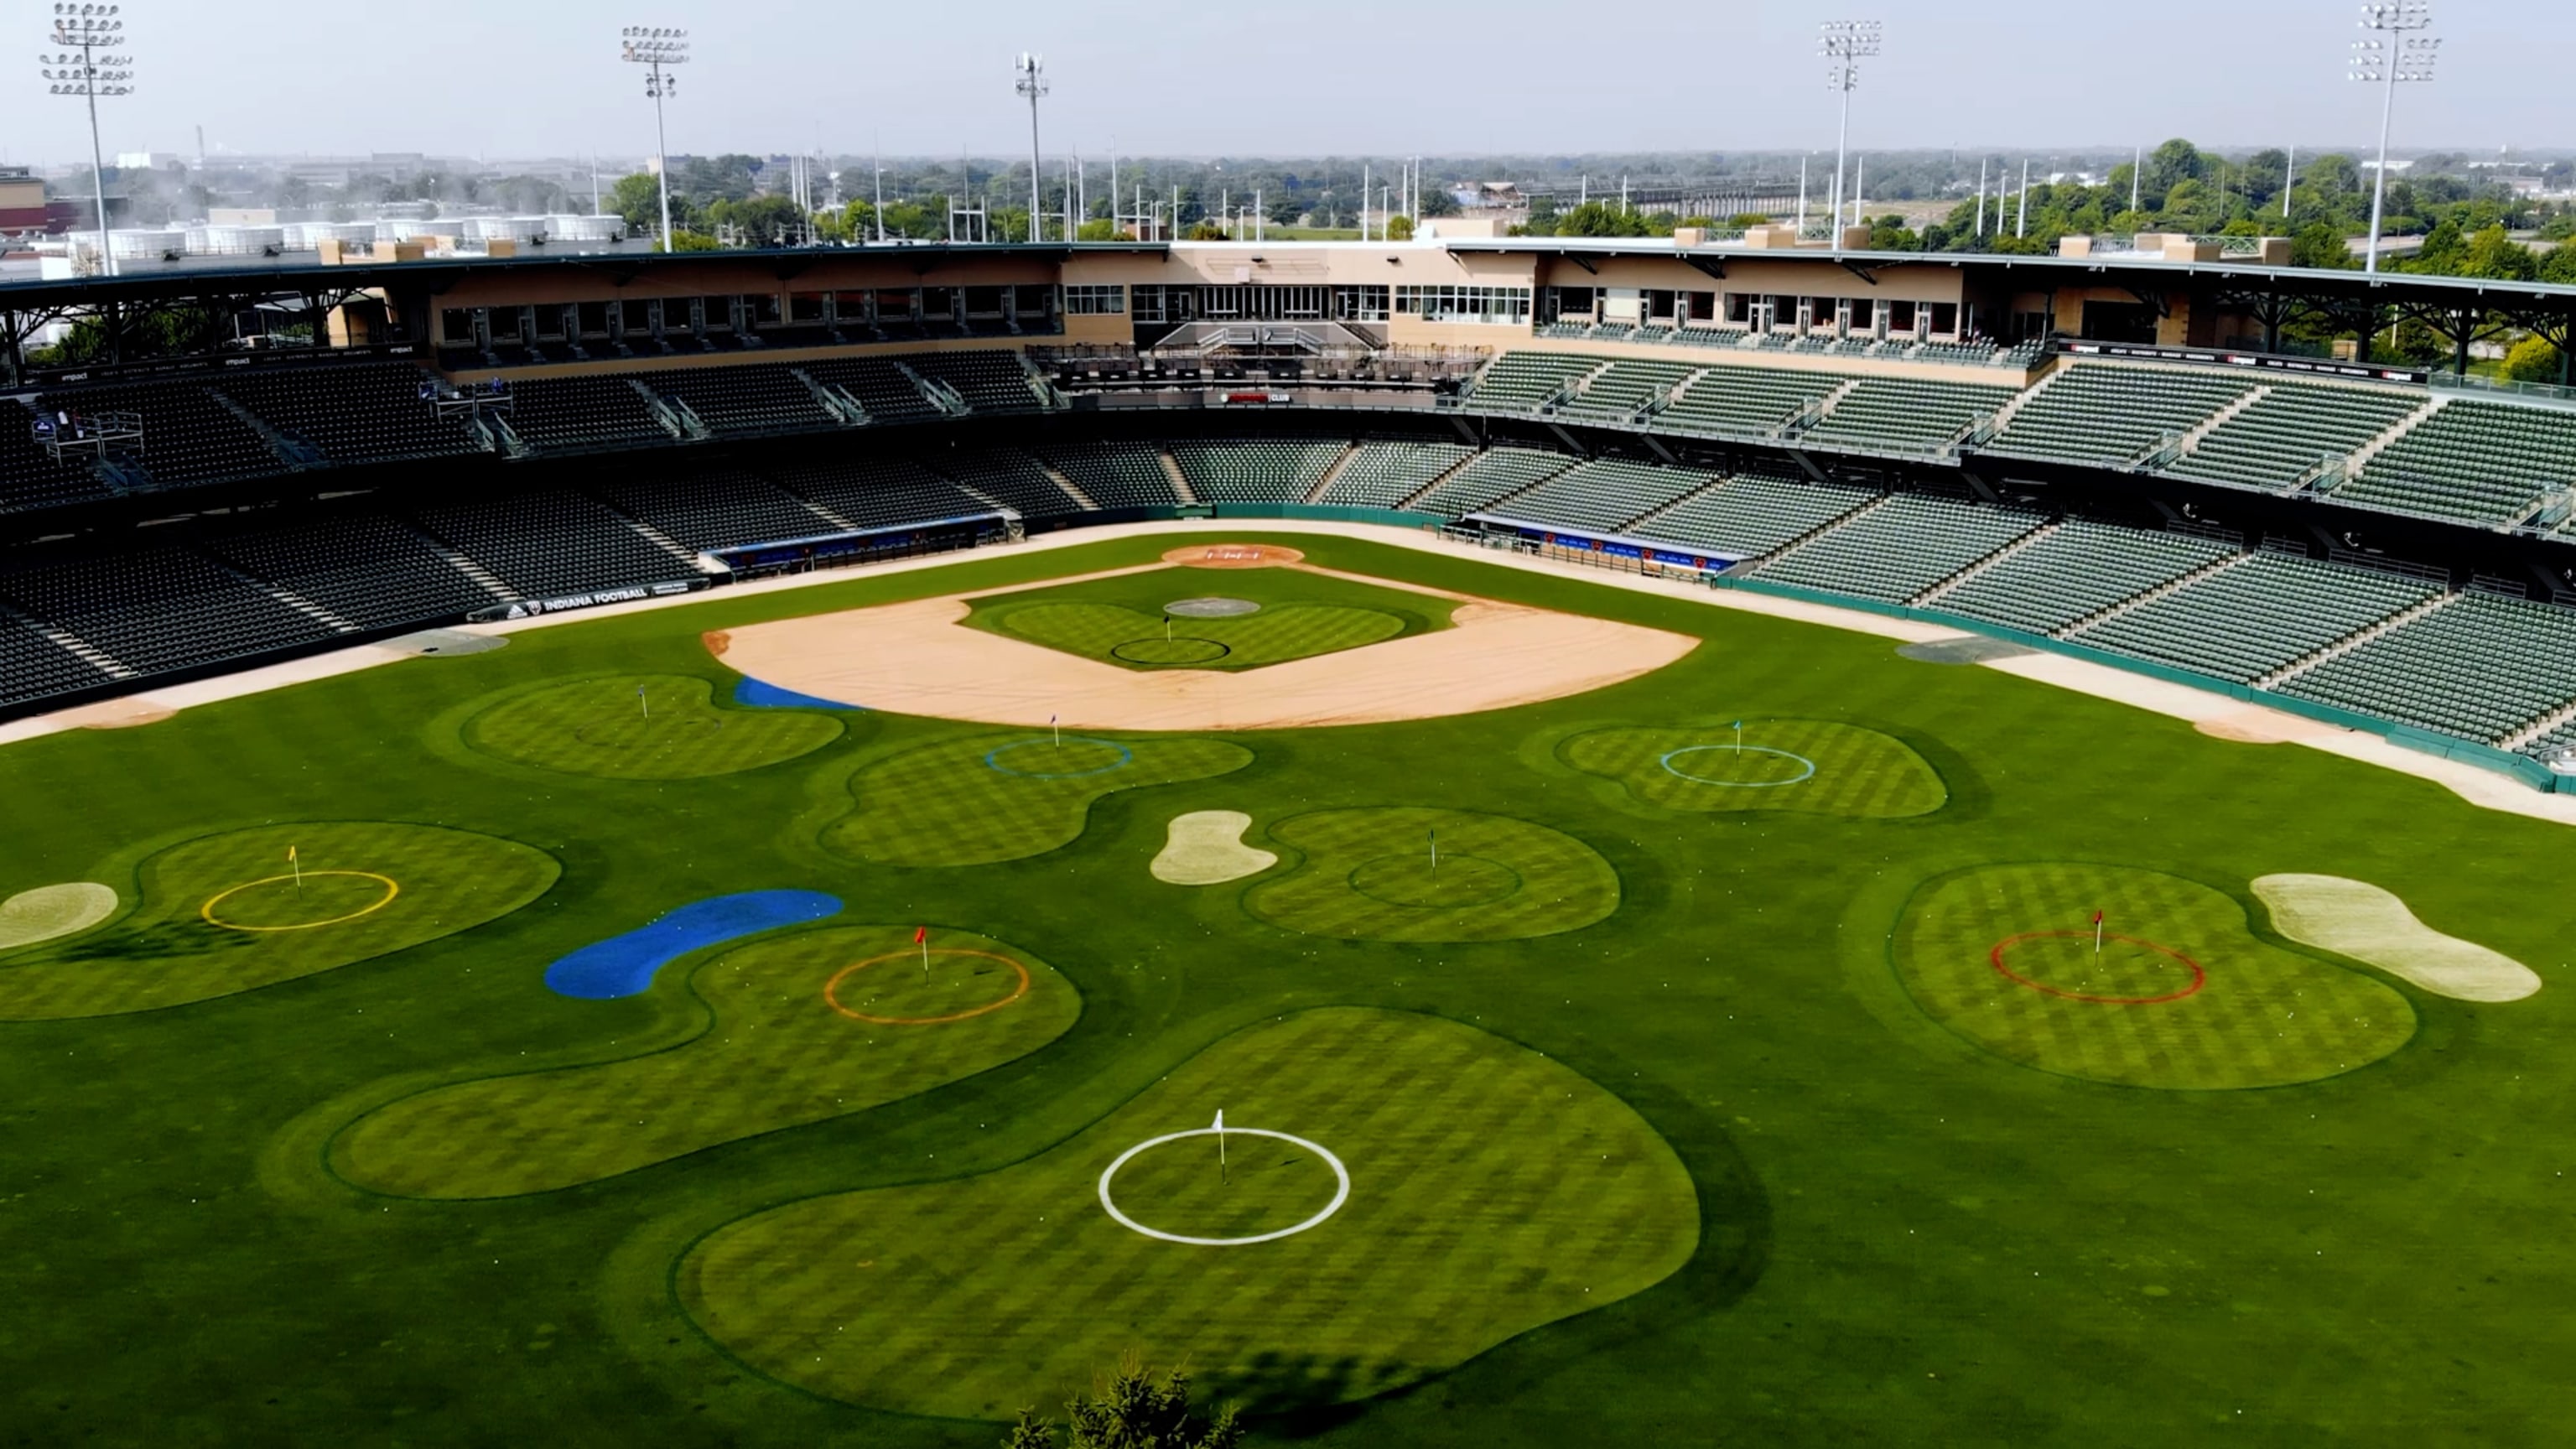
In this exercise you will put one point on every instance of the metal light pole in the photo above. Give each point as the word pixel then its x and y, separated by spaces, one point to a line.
pixel 78 69
pixel 2404 56
pixel 1032 69
pixel 657 49
pixel 1844 43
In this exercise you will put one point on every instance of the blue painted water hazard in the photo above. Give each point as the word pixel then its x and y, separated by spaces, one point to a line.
pixel 625 965
pixel 761 694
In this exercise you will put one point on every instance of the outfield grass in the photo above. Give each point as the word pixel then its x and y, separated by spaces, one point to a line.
pixel 1905 1235
pixel 993 798
pixel 1492 1190
pixel 773 1050
pixel 1122 620
pixel 641 727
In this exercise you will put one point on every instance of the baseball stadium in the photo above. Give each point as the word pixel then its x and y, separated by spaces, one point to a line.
pixel 1476 840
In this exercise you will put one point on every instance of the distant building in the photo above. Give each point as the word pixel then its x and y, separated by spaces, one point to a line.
pixel 145 160
pixel 1491 196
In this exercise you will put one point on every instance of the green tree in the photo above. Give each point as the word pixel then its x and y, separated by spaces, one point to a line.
pixel 2322 245
pixel 2533 359
pixel 1399 228
pixel 1133 1412
pixel 638 198
pixel 1099 229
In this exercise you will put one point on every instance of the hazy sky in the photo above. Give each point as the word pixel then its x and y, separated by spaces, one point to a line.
pixel 1190 77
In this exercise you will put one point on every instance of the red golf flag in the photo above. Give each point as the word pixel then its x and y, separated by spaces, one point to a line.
pixel 920 934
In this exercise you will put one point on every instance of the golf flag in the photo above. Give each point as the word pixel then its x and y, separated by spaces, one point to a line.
pixel 293 865
pixel 921 935
pixel 1220 1141
pixel 2097 933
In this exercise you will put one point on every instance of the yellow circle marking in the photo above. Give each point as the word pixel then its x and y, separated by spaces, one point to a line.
pixel 391 890
pixel 832 989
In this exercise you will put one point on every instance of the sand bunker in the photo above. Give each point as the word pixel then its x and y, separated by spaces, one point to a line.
pixel 49 913
pixel 913 658
pixel 2357 919
pixel 1206 848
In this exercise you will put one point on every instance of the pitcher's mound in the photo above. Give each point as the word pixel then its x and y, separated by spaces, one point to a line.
pixel 1234 556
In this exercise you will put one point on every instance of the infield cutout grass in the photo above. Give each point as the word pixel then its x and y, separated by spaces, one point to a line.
pixel 1420 874
pixel 1491 1191
pixel 796 1029
pixel 1142 621
pixel 2183 994
pixel 224 914
pixel 642 727
pixel 1807 766
pixel 994 798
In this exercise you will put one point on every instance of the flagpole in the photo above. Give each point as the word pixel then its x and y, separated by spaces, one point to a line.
pixel 298 867
pixel 642 703
pixel 1220 1144
pixel 2097 935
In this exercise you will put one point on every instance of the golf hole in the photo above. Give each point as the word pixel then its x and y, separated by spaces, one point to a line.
pixel 2070 952
pixel 316 889
pixel 1341 1190
pixel 1018 987
pixel 1741 767
pixel 1074 759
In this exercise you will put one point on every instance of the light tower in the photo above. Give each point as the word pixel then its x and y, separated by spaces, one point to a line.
pixel 658 49
pixel 77 68
pixel 1844 43
pixel 1032 71
pixel 2402 56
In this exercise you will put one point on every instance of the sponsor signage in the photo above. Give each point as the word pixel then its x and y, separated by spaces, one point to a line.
pixel 531 608
pixel 2262 361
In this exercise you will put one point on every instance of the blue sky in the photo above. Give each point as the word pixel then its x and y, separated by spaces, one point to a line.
pixel 1186 77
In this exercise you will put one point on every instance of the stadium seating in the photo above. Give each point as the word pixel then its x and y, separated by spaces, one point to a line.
pixel 1010 478
pixel 2110 416
pixel 1384 475
pixel 875 493
pixel 1115 475
pixel 2283 436
pixel 2251 618
pixel 353 414
pixel 2074 573
pixel 551 544
pixel 990 382
pixel 188 437
pixel 718 508
pixel 1523 381
pixel 32 478
pixel 1605 495
pixel 579 413
pixel 1618 394
pixel 1904 414
pixel 1893 552
pixel 1749 516
pixel 1256 471
pixel 1746 401
pixel 879 387
pixel 745 400
pixel 2479 666
pixel 1489 478
pixel 33 667
pixel 2474 461
pixel 363 567
pixel 161 610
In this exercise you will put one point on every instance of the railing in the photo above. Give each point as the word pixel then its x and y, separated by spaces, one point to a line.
pixel 2544 393
pixel 2158 455
pixel 2327 476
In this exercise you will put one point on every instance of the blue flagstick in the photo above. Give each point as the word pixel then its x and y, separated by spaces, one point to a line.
pixel 1739 737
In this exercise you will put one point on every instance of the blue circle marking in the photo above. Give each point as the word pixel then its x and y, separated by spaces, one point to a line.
pixel 1669 767
pixel 993 759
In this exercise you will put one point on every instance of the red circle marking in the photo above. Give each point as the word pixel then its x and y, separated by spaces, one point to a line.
pixel 2199 977
pixel 832 989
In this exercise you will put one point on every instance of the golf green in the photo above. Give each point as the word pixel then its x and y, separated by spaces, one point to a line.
pixel 790 1029
pixel 234 912
pixel 1433 875
pixel 993 798
pixel 642 727
pixel 1490 1190
pixel 2179 992
pixel 1286 614
pixel 1814 767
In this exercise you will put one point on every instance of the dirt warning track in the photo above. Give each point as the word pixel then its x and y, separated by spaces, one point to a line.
pixel 914 658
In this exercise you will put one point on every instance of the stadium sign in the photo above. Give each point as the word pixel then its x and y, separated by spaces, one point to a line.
pixel 531 608
pixel 2264 361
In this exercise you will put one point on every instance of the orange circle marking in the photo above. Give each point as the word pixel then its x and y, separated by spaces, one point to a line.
pixel 832 989
pixel 391 890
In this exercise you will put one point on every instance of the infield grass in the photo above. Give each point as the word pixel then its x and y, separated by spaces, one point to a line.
pixel 1300 615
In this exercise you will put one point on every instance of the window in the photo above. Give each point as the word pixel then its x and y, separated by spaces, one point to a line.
pixel 1359 304
pixel 806 306
pixel 1739 309
pixel 1096 301
pixel 1945 319
pixel 1864 313
pixel 455 326
pixel 1507 305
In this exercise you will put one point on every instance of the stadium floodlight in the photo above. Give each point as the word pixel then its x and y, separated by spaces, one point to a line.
pixel 2402 56
pixel 1844 44
pixel 81 65
pixel 1032 84
pixel 658 49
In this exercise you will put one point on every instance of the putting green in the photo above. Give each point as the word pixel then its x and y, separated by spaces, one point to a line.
pixel 1370 875
pixel 795 1029
pixel 1809 766
pixel 672 731
pixel 1004 797
pixel 1491 1191
pixel 226 913
pixel 2183 994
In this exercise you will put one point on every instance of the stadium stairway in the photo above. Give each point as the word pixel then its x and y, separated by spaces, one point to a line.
pixel 2140 600
pixel 2012 550
pixel 1180 480
pixel 2354 640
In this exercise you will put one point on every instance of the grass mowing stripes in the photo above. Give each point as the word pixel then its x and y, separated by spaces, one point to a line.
pixel 1433 875
pixel 223 914
pixel 993 798
pixel 1493 1190
pixel 1808 766
pixel 2262 1017
pixel 770 1051
pixel 642 727
pixel 1143 641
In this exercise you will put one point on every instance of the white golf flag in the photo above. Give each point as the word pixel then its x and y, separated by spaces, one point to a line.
pixel 1219 1129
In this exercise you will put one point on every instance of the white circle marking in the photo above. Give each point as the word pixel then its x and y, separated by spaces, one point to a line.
pixel 1340 1195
